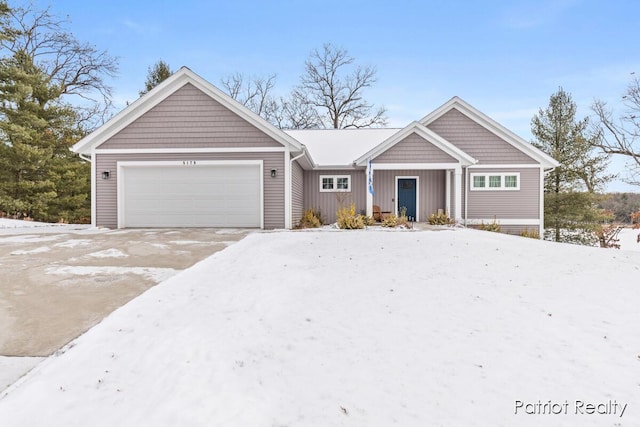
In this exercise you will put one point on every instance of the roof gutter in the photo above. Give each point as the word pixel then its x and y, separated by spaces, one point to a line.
pixel 84 157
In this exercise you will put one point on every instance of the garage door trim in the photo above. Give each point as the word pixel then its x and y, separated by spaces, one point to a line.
pixel 193 163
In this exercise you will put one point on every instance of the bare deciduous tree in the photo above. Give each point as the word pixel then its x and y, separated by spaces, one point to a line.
pixel 294 113
pixel 254 93
pixel 620 135
pixel 334 87
pixel 75 68
pixel 330 94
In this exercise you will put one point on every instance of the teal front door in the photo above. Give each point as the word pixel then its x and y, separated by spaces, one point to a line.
pixel 407 197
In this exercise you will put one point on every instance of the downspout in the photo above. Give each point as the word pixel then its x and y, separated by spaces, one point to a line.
pixel 466 190
pixel 92 191
pixel 466 194
pixel 297 157
pixel 291 184
pixel 543 176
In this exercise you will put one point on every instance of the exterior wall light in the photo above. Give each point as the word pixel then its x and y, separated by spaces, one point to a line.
pixel 106 174
pixel 274 173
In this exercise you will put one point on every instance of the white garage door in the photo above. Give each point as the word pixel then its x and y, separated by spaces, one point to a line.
pixel 201 195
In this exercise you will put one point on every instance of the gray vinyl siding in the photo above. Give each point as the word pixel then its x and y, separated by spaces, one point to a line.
pixel 431 187
pixel 328 202
pixel 517 229
pixel 297 193
pixel 477 141
pixel 189 118
pixel 520 204
pixel 273 198
pixel 513 229
pixel 414 149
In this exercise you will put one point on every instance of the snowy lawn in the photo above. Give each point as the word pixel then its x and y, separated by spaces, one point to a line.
pixel 15 223
pixel 629 239
pixel 362 328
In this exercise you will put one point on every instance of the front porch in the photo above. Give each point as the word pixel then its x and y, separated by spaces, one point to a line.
pixel 422 189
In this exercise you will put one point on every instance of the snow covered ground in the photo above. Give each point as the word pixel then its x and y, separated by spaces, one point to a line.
pixel 13 226
pixel 629 239
pixel 14 223
pixel 361 328
pixel 12 368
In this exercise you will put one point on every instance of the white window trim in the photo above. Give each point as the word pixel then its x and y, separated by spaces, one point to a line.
pixel 502 176
pixel 335 188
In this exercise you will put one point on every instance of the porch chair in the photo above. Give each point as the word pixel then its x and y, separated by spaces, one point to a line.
pixel 380 215
pixel 377 213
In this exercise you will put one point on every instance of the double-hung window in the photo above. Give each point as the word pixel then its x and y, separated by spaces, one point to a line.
pixel 329 183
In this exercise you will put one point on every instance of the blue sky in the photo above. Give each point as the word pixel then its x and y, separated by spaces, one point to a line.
pixel 504 57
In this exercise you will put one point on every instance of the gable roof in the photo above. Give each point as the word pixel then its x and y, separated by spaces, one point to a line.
pixel 424 132
pixel 493 127
pixel 169 86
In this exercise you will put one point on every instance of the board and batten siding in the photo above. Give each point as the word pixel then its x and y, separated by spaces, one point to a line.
pixel 507 204
pixel 189 118
pixel 273 197
pixel 477 141
pixel 329 202
pixel 414 149
pixel 297 193
pixel 431 188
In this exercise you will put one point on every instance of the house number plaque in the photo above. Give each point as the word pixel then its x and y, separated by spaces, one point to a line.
pixel 188 162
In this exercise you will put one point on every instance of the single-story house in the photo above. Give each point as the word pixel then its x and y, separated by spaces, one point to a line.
pixel 187 155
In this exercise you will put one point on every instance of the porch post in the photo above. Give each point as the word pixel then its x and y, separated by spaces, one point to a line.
pixel 447 192
pixel 369 172
pixel 541 198
pixel 458 193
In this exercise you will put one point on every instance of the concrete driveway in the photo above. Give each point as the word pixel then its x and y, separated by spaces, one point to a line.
pixel 56 284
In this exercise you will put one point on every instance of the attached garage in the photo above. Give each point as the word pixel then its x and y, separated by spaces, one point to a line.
pixel 190 194
pixel 187 155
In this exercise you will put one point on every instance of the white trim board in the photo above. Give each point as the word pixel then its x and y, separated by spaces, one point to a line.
pixel 94 190
pixel 503 221
pixel 189 150
pixel 414 166
pixel 507 166
pixel 152 163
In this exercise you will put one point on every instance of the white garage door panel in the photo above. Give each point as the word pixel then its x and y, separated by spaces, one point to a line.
pixel 192 196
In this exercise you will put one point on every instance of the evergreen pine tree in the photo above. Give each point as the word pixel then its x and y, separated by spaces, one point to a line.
pixel 156 75
pixel 39 177
pixel 570 200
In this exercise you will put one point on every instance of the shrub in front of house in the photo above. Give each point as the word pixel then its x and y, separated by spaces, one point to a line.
pixel 401 220
pixel 389 221
pixel 310 219
pixel 440 218
pixel 349 220
pixel 532 234
pixel 369 220
pixel 493 226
